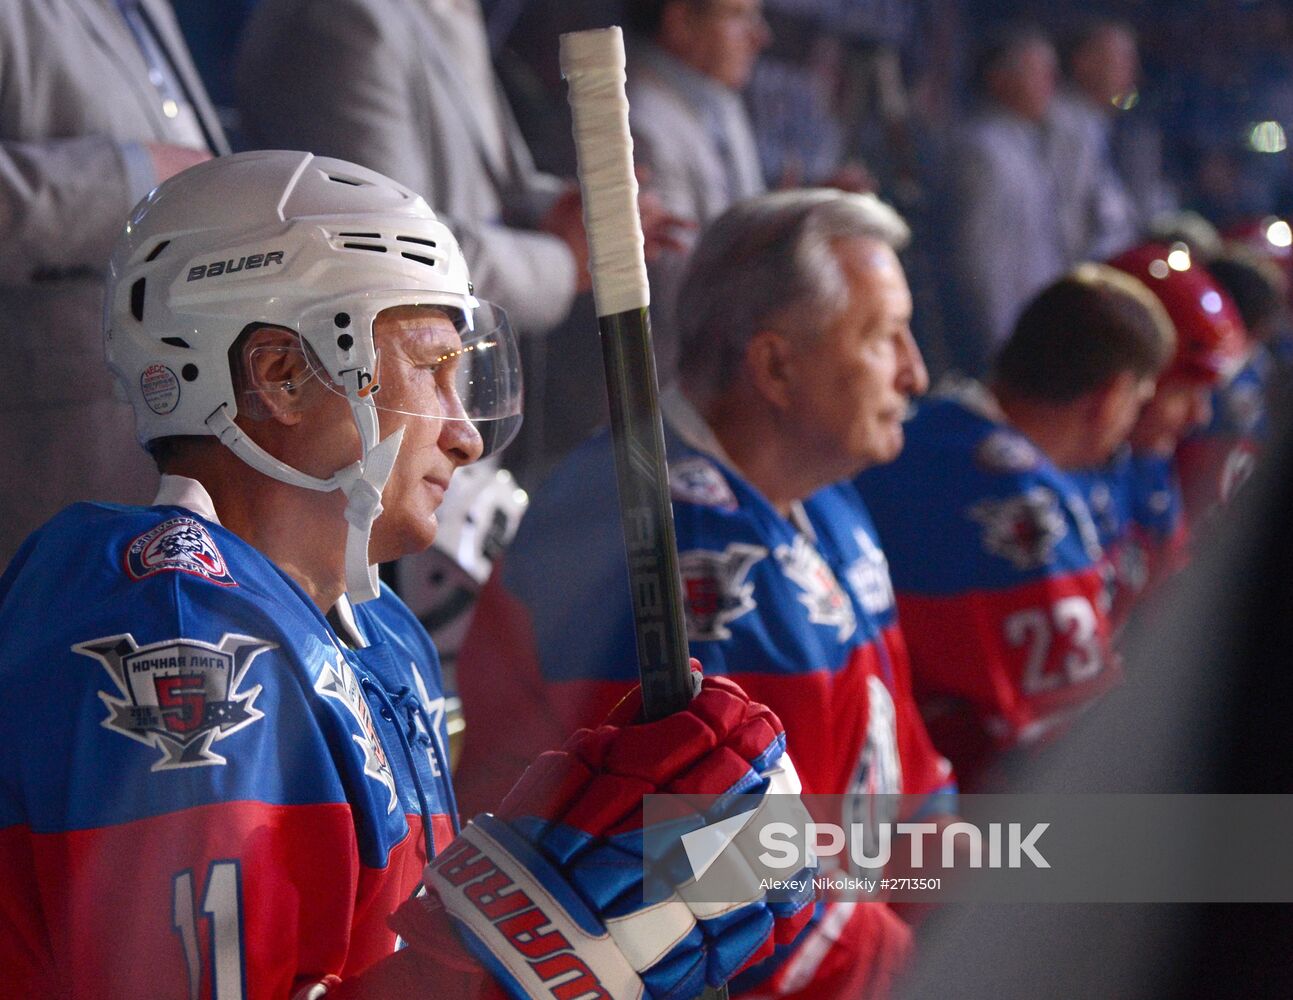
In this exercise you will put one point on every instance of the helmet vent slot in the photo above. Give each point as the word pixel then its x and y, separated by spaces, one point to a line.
pixel 413 239
pixel 137 300
pixel 345 180
pixel 375 247
pixel 419 258
pixel 176 342
pixel 362 236
pixel 157 250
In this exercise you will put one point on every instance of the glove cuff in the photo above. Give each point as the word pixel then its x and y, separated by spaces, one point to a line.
pixel 519 916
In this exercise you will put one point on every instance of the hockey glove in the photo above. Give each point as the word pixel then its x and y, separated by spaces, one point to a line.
pixel 549 892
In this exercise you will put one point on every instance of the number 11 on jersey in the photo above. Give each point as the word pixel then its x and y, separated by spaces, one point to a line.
pixel 222 914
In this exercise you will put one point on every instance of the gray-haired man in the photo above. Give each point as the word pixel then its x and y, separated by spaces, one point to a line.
pixel 797 367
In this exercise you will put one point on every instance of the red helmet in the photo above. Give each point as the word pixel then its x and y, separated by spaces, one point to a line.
pixel 1211 342
pixel 1270 236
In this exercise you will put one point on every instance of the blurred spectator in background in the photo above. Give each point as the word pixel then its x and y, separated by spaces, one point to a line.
pixel 999 573
pixel 688 64
pixel 828 82
pixel 794 92
pixel 212 28
pixel 1224 76
pixel 1136 497
pixel 1270 237
pixel 100 104
pixel 1098 212
pixel 1005 241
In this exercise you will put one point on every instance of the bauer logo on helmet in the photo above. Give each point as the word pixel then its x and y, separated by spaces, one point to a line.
pixel 231 266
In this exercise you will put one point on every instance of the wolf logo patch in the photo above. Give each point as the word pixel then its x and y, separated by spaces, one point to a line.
pixel 180 545
pixel 1023 529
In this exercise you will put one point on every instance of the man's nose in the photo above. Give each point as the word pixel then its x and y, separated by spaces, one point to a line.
pixel 1201 412
pixel 912 374
pixel 461 441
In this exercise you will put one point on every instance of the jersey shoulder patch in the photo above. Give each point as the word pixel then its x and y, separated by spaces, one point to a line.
pixel 697 480
pixel 177 545
pixel 1004 451
pixel 1024 529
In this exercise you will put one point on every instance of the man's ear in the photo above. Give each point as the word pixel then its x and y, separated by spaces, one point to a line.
pixel 770 361
pixel 277 375
pixel 1110 397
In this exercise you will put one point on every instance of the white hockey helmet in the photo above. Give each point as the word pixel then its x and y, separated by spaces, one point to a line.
pixel 478 519
pixel 315 245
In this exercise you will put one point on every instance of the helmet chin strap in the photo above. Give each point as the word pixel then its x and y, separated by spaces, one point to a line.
pixel 361 483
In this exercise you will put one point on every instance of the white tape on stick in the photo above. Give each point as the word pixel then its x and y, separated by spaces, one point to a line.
pixel 593 64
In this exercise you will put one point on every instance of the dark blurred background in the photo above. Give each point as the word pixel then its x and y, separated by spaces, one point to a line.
pixel 885 82
pixel 1214 72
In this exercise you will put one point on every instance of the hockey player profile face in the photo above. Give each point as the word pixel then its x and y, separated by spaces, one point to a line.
pixel 865 366
pixel 1178 406
pixel 1126 400
pixel 419 347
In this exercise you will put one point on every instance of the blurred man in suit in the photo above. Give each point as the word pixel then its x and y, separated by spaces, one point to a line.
pixel 100 104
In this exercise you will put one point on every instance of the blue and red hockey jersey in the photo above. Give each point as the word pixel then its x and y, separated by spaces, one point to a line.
pixel 799 611
pixel 999 576
pixel 203 792
pixel 1216 460
pixel 1136 503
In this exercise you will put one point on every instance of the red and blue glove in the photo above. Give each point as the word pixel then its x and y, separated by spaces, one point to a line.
pixel 549 892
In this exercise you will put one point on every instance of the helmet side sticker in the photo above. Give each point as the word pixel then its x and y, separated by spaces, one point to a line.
pixel 179 696
pixel 180 545
pixel 160 388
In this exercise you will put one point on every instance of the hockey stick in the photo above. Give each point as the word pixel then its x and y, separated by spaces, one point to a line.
pixel 593 64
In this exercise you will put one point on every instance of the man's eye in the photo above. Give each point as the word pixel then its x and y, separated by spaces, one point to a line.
pixel 448 360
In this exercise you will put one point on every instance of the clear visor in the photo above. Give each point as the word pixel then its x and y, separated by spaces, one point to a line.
pixel 437 362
